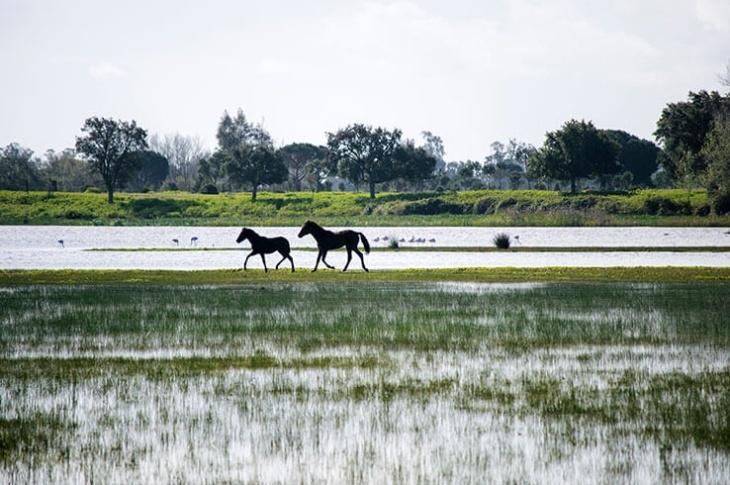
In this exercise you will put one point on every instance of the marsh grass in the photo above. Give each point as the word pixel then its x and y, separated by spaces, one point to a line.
pixel 337 382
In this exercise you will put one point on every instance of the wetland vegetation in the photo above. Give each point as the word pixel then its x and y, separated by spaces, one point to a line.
pixel 333 381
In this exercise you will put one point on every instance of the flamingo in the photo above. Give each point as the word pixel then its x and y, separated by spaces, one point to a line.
pixel 60 241
pixel 194 241
pixel 177 243
pixel 432 240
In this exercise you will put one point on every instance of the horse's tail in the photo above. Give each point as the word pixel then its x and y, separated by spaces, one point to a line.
pixel 365 242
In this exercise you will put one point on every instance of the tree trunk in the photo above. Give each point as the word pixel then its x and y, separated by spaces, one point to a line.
pixel 109 194
pixel 253 193
pixel 372 189
pixel 572 186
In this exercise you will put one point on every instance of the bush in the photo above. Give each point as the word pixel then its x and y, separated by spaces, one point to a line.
pixel 664 206
pixel 721 204
pixel 703 210
pixel 485 205
pixel 209 189
pixel 502 241
pixel 393 243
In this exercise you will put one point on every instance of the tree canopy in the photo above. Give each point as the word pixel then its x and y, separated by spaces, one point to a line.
pixel 105 143
pixel 682 129
pixel 577 150
pixel 636 155
pixel 300 159
pixel 153 170
pixel 255 165
pixel 365 154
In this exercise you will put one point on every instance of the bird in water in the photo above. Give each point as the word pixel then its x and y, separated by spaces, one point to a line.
pixel 60 241
pixel 177 243
pixel 194 241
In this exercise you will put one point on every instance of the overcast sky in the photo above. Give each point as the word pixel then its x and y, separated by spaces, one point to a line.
pixel 470 71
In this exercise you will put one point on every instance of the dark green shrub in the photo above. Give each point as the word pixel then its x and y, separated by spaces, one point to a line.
pixel 721 204
pixel 663 206
pixel 502 241
pixel 209 189
pixel 703 210
pixel 485 205
pixel 153 208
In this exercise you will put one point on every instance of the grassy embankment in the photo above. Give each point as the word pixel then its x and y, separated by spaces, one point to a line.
pixel 475 208
pixel 258 277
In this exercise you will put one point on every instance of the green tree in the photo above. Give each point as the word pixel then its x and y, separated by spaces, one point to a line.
pixel 298 158
pixel 69 172
pixel 414 163
pixel 577 150
pixel 255 165
pixel 682 129
pixel 365 154
pixel 636 156
pixel 153 170
pixel 234 131
pixel 18 170
pixel 105 143
pixel 212 169
pixel 716 152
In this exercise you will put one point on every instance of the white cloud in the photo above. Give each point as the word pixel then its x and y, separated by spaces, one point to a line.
pixel 714 14
pixel 106 70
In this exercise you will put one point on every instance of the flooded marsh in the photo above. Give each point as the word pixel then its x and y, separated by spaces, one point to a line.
pixel 366 382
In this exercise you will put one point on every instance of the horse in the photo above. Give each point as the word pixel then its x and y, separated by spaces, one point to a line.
pixel 327 240
pixel 265 245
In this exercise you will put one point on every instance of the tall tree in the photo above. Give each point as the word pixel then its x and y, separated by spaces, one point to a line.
pixel 255 165
pixel 183 154
pixel 365 154
pixel 681 130
pixel 106 143
pixel 18 170
pixel 153 170
pixel 636 156
pixel 717 153
pixel 212 169
pixel 577 150
pixel 414 163
pixel 233 131
pixel 434 145
pixel 298 158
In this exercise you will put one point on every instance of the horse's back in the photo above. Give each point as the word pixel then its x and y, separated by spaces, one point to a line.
pixel 282 244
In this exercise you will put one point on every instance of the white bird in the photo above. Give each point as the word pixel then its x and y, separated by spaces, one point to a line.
pixel 60 241
pixel 194 241
pixel 177 243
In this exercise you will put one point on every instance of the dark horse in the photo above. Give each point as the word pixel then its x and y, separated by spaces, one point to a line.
pixel 265 245
pixel 327 240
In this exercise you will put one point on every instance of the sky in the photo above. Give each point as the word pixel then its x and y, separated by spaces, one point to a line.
pixel 469 71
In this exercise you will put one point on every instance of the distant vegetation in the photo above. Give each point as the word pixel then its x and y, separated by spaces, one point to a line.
pixel 476 207
pixel 693 152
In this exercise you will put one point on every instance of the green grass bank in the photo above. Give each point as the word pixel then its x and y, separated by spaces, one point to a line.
pixel 650 207
pixel 258 277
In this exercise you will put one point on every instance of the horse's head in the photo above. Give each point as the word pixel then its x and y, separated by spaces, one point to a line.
pixel 244 234
pixel 306 228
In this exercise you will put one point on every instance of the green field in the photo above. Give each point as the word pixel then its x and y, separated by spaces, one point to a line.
pixel 473 208
pixel 335 380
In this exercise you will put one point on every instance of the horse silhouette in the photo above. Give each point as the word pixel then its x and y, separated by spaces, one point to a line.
pixel 328 240
pixel 265 245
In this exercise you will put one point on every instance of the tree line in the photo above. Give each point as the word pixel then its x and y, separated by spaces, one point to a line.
pixel 693 150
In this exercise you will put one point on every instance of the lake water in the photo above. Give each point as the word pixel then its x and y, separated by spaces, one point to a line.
pixel 37 247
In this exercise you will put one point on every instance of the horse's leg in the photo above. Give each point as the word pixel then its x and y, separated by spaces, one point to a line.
pixel 324 255
pixel 349 258
pixel 283 257
pixel 319 256
pixel 362 260
pixel 266 270
pixel 246 260
pixel 291 261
